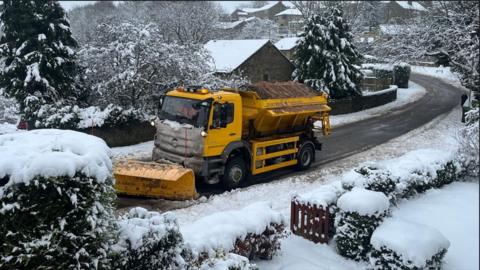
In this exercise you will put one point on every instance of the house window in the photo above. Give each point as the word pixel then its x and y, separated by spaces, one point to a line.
pixel 266 77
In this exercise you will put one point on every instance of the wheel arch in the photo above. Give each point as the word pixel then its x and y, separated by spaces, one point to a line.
pixel 240 147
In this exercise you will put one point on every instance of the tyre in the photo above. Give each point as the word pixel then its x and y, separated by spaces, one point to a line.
pixel 235 173
pixel 305 156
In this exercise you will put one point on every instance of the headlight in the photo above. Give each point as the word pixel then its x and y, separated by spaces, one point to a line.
pixel 152 123
pixel 203 133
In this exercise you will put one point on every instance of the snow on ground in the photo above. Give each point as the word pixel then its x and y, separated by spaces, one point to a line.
pixel 6 128
pixel 301 254
pixel 453 210
pixel 136 151
pixel 404 96
pixel 437 72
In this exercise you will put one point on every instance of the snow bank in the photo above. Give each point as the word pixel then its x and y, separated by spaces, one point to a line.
pixel 438 72
pixel 373 93
pixel 364 202
pixel 412 241
pixel 227 262
pixel 7 128
pixel 323 196
pixel 219 231
pixel 53 153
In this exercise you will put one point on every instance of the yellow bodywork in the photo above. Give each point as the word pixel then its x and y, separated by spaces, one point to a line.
pixel 153 179
pixel 158 180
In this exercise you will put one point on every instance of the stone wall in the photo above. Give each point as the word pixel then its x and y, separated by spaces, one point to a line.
pixel 368 101
pixel 123 135
pixel 267 64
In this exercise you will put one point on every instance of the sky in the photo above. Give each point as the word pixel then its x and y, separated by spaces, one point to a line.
pixel 229 6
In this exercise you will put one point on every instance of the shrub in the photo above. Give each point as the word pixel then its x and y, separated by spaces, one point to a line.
pixel 361 211
pixel 149 240
pixel 56 201
pixel 226 261
pixel 372 178
pixel 261 246
pixel 399 244
pixel 401 75
pixel 446 175
pixel 468 153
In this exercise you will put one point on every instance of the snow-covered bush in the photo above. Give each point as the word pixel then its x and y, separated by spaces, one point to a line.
pixel 360 212
pixel 401 75
pixel 228 261
pixel 399 244
pixel 468 153
pixel 149 240
pixel 56 201
pixel 374 179
pixel 254 232
pixel 9 112
pixel 73 117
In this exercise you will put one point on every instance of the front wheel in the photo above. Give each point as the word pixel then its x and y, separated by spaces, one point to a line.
pixel 305 157
pixel 235 173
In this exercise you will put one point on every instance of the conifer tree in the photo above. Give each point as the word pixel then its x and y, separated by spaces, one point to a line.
pixel 37 55
pixel 325 56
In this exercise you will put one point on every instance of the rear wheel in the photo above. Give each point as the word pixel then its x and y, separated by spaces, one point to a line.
pixel 235 173
pixel 305 157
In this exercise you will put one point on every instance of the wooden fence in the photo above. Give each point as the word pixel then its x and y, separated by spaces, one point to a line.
pixel 311 222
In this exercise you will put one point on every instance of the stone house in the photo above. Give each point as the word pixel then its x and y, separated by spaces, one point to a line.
pixel 255 59
pixel 266 12
pixel 403 10
pixel 290 21
pixel 287 46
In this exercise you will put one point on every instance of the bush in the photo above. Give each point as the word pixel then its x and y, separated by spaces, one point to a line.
pixel 56 223
pixel 378 180
pixel 468 153
pixel 149 240
pixel 401 75
pixel 446 175
pixel 400 244
pixel 261 246
pixel 228 261
pixel 361 211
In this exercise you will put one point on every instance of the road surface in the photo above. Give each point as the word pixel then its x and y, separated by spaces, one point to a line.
pixel 352 138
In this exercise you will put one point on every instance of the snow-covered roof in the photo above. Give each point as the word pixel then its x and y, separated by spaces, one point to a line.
pixel 290 11
pixel 413 6
pixel 229 54
pixel 266 7
pixel 286 44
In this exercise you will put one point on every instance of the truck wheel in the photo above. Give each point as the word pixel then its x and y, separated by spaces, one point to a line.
pixel 235 173
pixel 305 157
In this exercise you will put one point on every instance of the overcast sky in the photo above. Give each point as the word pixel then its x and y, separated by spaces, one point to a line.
pixel 229 6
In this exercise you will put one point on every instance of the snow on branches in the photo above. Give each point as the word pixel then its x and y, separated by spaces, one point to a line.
pixel 325 56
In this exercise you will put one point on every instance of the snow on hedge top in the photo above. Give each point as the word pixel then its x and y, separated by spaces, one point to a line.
pixel 229 54
pixel 412 241
pixel 286 44
pixel 220 230
pixel 323 196
pixel 52 153
pixel 364 202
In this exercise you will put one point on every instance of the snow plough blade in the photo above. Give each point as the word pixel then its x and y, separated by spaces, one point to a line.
pixel 155 180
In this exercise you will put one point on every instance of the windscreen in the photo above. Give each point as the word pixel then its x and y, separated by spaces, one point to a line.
pixel 186 111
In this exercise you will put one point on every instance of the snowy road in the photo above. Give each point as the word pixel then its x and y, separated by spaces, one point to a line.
pixel 350 139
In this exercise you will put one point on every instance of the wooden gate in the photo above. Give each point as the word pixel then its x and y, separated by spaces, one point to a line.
pixel 310 222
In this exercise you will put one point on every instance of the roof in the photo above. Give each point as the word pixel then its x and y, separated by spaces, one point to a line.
pixel 231 25
pixel 392 29
pixel 290 11
pixel 286 44
pixel 230 54
pixel 413 6
pixel 266 7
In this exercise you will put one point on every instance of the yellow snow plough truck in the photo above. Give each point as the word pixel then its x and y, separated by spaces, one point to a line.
pixel 226 136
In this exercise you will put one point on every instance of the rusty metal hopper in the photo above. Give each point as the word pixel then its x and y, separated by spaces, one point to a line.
pixel 154 179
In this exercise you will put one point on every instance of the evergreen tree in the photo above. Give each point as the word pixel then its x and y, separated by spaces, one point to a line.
pixel 325 55
pixel 37 54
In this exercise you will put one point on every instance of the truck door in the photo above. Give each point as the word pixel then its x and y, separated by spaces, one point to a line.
pixel 225 126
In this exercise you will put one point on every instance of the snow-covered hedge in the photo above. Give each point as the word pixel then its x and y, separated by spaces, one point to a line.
pixel 254 232
pixel 402 177
pixel 400 244
pixel 360 212
pixel 56 199
pixel 73 117
pixel 226 261
pixel 149 240
pixel 401 75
